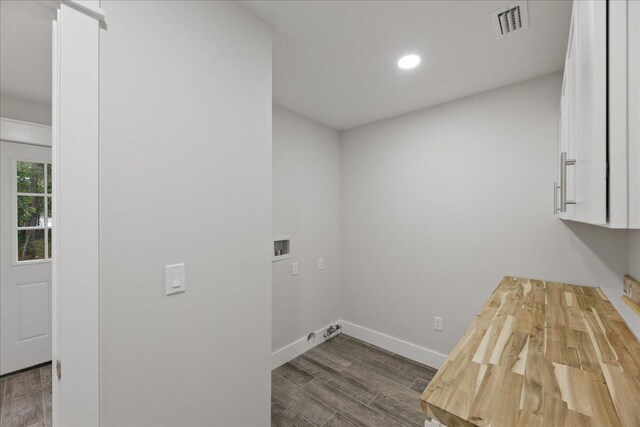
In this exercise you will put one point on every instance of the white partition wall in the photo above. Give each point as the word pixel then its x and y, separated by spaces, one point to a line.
pixel 185 132
pixel 75 180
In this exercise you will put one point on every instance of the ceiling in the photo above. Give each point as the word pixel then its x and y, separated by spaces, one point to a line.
pixel 25 50
pixel 335 61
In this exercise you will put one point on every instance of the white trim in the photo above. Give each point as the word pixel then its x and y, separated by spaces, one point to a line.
pixel 55 161
pixel 25 132
pixel 395 345
pixel 296 348
pixel 86 7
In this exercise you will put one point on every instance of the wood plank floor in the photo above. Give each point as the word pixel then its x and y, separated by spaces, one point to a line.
pixel 347 382
pixel 25 398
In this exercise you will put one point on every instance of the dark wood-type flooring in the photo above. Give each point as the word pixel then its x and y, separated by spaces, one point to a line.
pixel 25 398
pixel 347 382
pixel 341 382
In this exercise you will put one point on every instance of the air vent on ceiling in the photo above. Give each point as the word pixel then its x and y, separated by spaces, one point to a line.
pixel 510 19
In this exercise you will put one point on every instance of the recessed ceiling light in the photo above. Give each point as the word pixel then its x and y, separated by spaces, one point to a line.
pixel 408 61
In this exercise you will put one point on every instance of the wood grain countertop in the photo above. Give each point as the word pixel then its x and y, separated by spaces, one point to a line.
pixel 540 354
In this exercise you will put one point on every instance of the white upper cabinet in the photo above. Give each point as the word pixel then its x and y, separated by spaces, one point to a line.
pixel 583 146
pixel 595 148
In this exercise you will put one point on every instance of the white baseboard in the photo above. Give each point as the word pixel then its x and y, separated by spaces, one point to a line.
pixel 403 348
pixel 296 348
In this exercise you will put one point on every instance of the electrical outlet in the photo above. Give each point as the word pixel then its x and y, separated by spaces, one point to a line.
pixel 320 263
pixel 294 269
pixel 437 323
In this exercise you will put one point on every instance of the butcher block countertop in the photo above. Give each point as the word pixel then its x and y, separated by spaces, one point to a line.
pixel 540 354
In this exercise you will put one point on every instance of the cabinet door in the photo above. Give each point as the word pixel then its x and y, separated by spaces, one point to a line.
pixel 587 178
pixel 568 127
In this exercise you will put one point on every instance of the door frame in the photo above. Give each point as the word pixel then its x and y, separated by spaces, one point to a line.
pixel 76 231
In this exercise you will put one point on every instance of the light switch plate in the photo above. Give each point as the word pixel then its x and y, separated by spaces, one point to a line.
pixel 174 282
pixel 320 263
pixel 294 269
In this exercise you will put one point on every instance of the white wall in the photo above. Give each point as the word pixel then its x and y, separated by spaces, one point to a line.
pixel 25 110
pixel 306 205
pixel 634 253
pixel 438 205
pixel 185 176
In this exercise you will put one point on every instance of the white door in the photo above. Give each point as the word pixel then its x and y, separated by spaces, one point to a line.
pixel 25 256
